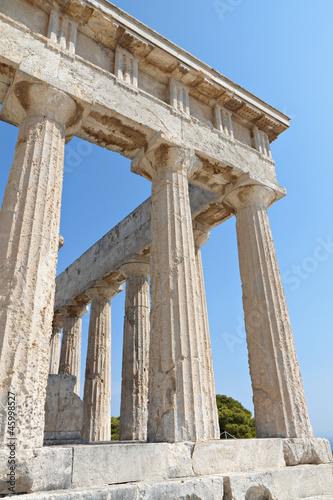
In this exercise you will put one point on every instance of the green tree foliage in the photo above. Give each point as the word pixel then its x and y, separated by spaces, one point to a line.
pixel 115 428
pixel 234 418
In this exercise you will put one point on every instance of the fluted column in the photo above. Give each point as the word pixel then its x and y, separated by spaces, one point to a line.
pixel 278 395
pixel 70 356
pixel 201 236
pixel 29 229
pixel 97 385
pixel 55 344
pixel 134 386
pixel 176 408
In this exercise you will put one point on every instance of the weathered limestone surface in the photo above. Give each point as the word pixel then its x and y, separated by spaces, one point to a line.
pixel 84 76
pixel 180 122
pixel 99 465
pixel 242 464
pixel 289 483
pixel 237 455
pixel 29 229
pixel 97 384
pixel 48 468
pixel 70 356
pixel 205 488
pixel 63 409
pixel 201 236
pixel 135 368
pixel 307 451
pixel 176 410
pixel 278 396
pixel 55 345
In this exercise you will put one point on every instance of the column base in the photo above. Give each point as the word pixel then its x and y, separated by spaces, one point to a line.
pixel 282 466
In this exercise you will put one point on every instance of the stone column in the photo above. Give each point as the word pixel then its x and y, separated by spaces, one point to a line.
pixel 70 356
pixel 29 231
pixel 176 410
pixel 97 385
pixel 55 344
pixel 134 386
pixel 278 396
pixel 201 236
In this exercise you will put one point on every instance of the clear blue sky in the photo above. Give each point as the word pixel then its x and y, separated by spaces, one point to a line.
pixel 282 52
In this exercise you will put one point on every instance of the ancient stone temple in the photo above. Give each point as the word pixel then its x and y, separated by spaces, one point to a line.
pixel 84 68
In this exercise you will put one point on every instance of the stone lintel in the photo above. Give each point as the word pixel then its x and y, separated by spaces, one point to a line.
pixel 77 76
pixel 119 27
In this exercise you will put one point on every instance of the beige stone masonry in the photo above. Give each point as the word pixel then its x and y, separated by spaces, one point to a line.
pixel 62 30
pixel 29 235
pixel 278 396
pixel 63 409
pixel 126 66
pixel 201 236
pixel 176 411
pixel 55 344
pixel 97 386
pixel 134 386
pixel 70 357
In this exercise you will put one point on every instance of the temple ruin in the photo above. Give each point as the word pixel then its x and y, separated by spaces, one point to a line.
pixel 85 68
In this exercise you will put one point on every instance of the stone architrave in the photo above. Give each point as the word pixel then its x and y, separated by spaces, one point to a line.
pixel 176 408
pixel 134 386
pixel 55 344
pixel 70 356
pixel 97 385
pixel 29 235
pixel 278 395
pixel 201 236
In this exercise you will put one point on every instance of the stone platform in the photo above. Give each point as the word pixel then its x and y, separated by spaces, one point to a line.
pixel 266 469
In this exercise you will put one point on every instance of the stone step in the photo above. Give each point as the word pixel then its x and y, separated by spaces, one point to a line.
pixel 239 461
pixel 286 483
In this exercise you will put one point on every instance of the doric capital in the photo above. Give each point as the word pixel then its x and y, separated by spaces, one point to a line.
pixel 135 269
pixel 161 154
pixel 104 292
pixel 78 310
pixel 28 99
pixel 61 242
pixel 251 195
pixel 58 320
pixel 201 234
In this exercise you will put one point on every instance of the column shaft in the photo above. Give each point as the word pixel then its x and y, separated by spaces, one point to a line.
pixel 55 345
pixel 70 357
pixel 29 230
pixel 134 387
pixel 97 385
pixel 176 406
pixel 278 395
pixel 208 383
